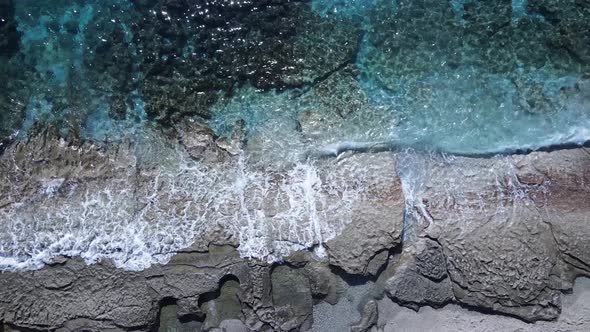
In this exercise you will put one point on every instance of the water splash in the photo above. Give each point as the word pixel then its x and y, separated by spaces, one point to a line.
pixel 141 215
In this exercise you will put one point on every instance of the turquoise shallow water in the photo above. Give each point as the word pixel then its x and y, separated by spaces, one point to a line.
pixel 445 94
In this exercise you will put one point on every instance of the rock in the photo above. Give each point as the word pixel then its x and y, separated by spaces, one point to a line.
pixel 111 299
pixel 421 277
pixel 430 262
pixel 235 143
pixel 499 234
pixel 232 325
pixel 169 320
pixel 324 284
pixel 377 219
pixel 509 237
pixel 291 298
pixel 159 180
pixel 100 292
pixel 370 316
pixel 90 325
pixel 224 306
pixel 564 199
pixel 198 140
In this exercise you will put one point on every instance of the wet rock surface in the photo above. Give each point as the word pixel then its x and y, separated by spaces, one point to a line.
pixel 499 228
pixel 509 238
pixel 570 21
pixel 189 165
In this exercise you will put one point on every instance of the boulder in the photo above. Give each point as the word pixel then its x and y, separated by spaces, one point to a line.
pixel 504 226
pixel 377 217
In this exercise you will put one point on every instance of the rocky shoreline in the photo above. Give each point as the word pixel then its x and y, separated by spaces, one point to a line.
pixel 293 165
pixel 504 235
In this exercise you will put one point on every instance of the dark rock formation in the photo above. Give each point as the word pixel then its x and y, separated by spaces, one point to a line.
pixel 569 38
pixel 291 298
pixel 9 36
pixel 194 51
pixel 420 278
pixel 13 91
pixel 503 228
pixel 509 237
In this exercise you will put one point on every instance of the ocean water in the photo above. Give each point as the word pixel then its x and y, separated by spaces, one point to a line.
pixel 309 79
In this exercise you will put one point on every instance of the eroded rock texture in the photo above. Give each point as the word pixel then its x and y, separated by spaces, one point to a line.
pixel 509 236
pixel 507 227
pixel 140 203
pixel 129 206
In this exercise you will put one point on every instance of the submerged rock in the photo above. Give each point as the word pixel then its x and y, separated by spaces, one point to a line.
pixel 570 21
pixel 13 90
pixel 194 51
pixel 9 36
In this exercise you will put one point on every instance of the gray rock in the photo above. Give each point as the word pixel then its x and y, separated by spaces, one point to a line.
pixel 99 292
pixel 291 298
pixel 369 317
pixel 324 284
pixel 197 139
pixel 231 325
pixel 420 277
pixel 430 262
pixel 377 219
pixel 225 306
pixel 504 226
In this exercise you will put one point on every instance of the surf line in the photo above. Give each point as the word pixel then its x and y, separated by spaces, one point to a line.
pixel 336 150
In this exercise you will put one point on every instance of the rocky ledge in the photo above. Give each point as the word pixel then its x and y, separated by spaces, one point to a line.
pixel 507 235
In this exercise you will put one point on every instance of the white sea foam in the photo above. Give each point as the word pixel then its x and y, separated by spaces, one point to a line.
pixel 141 217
